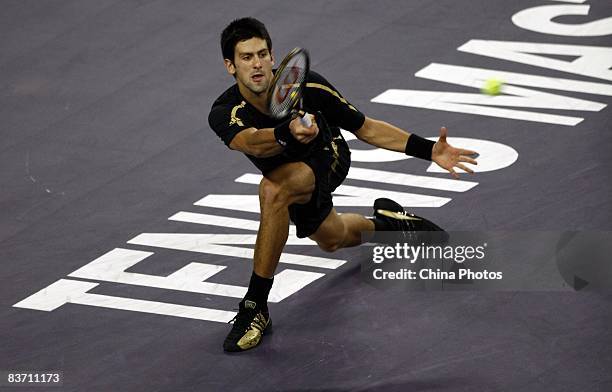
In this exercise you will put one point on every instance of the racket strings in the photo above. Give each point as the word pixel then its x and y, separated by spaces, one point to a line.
pixel 286 91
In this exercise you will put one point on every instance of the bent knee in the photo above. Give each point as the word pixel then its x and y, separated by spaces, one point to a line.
pixel 330 245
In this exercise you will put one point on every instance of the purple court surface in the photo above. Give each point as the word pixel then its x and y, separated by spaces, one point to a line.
pixel 127 227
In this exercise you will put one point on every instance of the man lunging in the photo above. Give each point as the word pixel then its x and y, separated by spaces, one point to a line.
pixel 302 166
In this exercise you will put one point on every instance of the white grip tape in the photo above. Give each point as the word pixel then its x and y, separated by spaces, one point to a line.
pixel 306 121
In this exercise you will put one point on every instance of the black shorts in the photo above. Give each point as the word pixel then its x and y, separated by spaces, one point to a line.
pixel 330 165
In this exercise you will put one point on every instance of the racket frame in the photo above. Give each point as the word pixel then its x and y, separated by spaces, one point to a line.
pixel 296 96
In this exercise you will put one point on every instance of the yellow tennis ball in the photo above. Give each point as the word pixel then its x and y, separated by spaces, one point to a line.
pixel 492 87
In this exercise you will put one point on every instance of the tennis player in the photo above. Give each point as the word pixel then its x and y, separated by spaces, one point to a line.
pixel 302 166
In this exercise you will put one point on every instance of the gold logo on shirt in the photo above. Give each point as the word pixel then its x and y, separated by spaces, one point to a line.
pixel 234 118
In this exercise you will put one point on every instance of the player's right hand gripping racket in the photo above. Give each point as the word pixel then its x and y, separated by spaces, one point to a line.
pixel 287 87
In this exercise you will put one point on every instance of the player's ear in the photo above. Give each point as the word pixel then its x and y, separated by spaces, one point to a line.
pixel 230 67
pixel 272 56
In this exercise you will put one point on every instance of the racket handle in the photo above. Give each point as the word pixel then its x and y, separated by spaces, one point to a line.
pixel 306 121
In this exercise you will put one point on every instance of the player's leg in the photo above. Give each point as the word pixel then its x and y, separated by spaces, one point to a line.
pixel 288 184
pixel 346 230
pixel 341 231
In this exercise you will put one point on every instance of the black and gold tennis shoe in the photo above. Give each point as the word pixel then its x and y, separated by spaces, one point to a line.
pixel 392 217
pixel 250 324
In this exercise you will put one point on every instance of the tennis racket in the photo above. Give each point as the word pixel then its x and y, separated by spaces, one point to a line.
pixel 287 87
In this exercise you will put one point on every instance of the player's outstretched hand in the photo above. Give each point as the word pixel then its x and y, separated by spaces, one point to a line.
pixel 301 133
pixel 449 157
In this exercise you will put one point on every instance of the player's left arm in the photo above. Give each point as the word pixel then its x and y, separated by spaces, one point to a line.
pixel 384 135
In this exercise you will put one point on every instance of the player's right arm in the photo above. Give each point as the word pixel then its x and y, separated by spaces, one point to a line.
pixel 236 130
pixel 259 143
pixel 262 143
pixel 234 127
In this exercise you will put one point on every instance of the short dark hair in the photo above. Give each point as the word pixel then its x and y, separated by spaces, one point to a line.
pixel 240 30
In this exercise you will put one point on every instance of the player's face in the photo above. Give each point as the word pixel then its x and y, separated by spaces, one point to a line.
pixel 252 65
